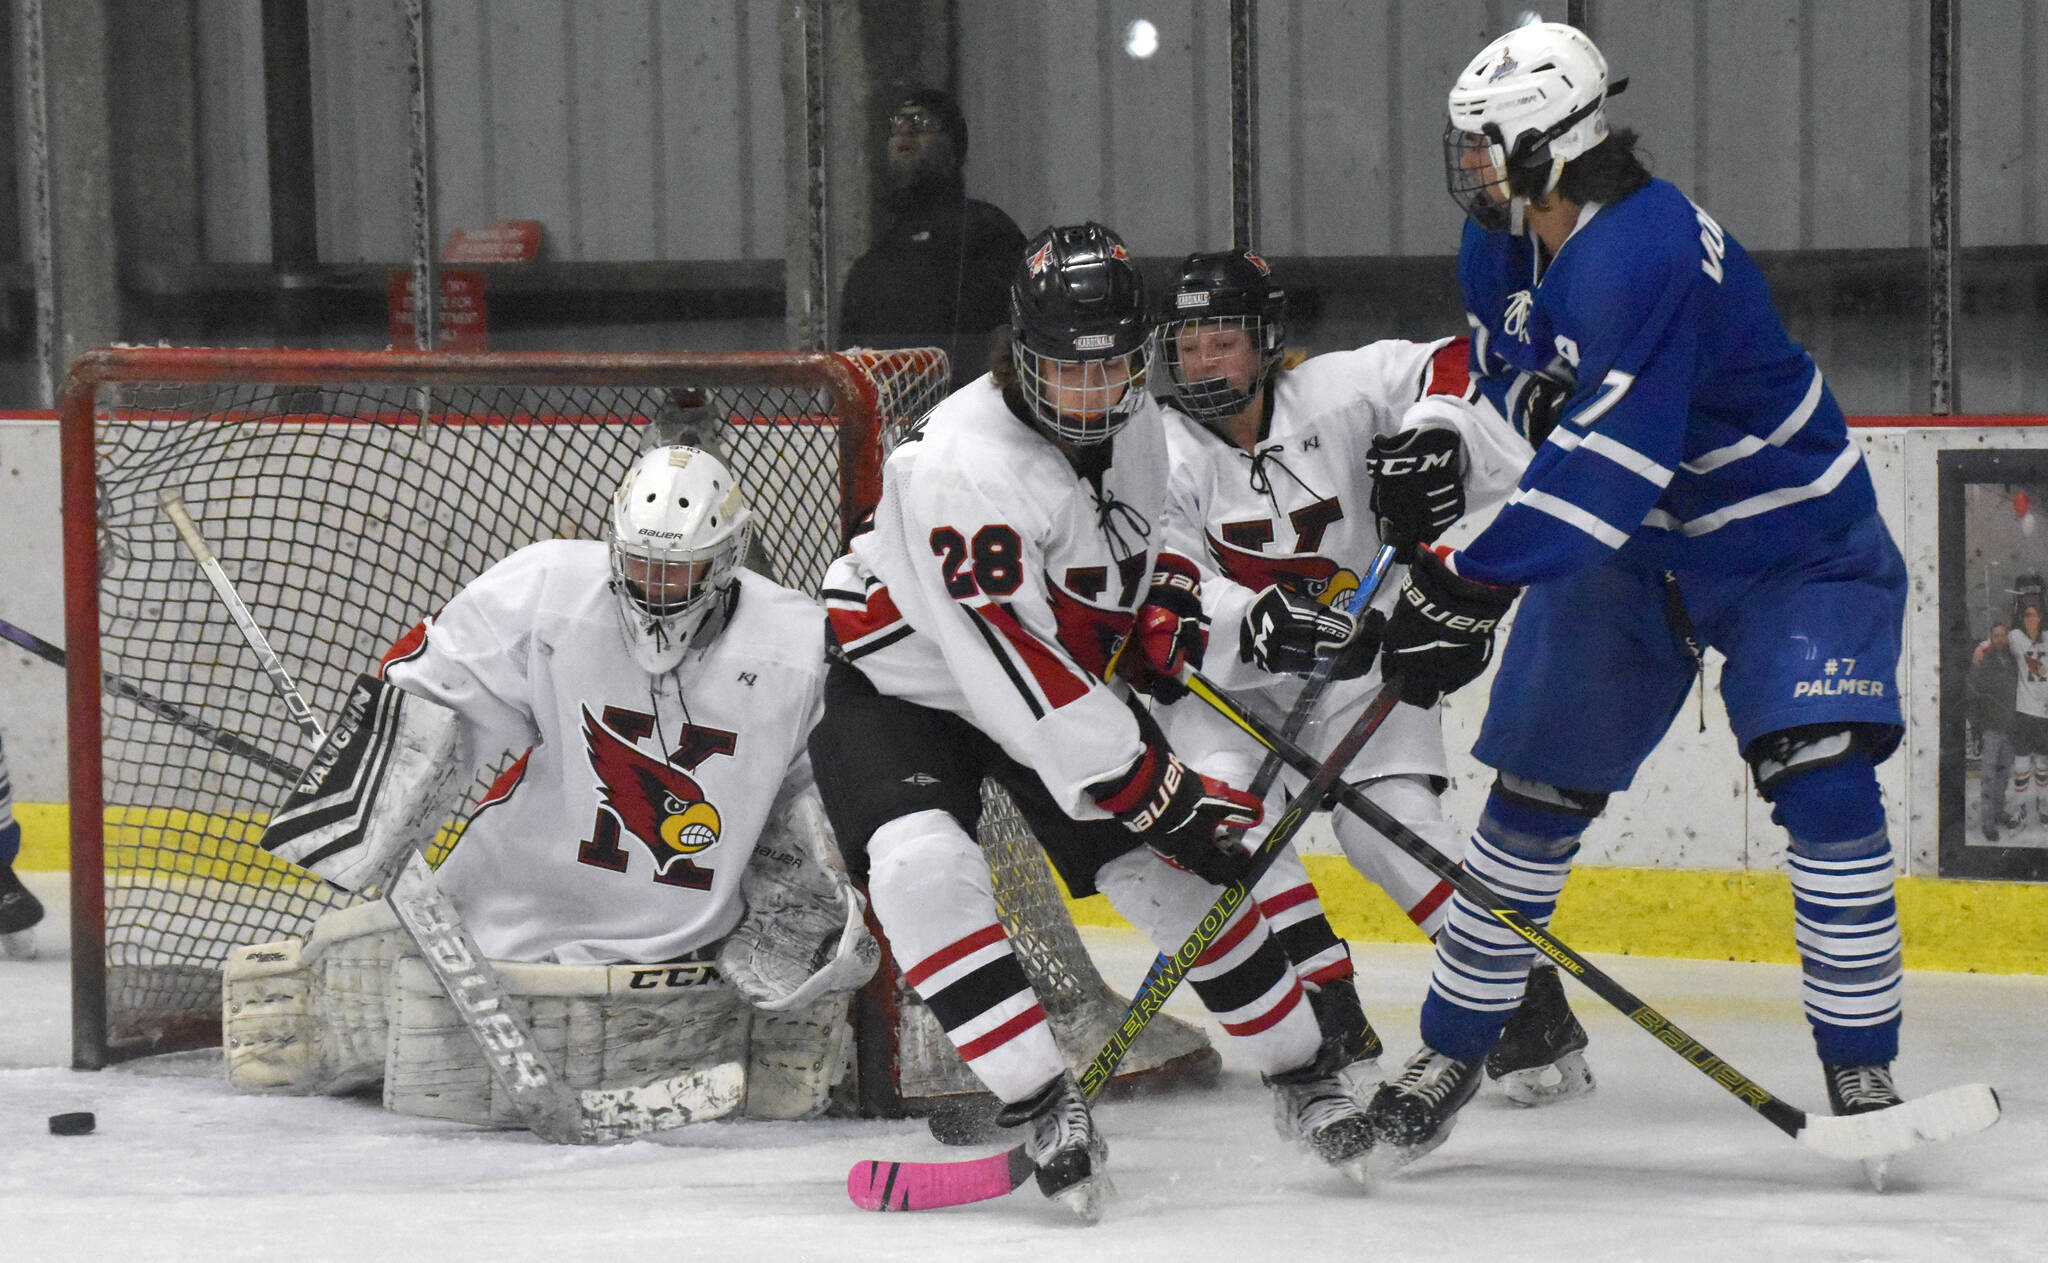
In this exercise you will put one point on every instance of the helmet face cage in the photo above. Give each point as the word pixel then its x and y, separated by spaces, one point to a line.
pixel 1213 400
pixel 679 528
pixel 1219 293
pixel 1078 333
pixel 1527 104
pixel 1082 402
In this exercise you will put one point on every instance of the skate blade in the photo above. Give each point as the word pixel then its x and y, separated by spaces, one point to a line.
pixel 20 945
pixel 1875 1170
pixel 1561 1080
pixel 1358 1170
pixel 1088 1198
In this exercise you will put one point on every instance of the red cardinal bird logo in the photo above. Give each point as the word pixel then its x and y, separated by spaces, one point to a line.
pixel 1311 576
pixel 655 803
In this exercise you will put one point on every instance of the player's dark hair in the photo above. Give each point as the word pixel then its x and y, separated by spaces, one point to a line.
pixel 1002 361
pixel 1606 173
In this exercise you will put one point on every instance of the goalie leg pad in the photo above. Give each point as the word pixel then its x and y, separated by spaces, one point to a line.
pixel 604 1026
pixel 311 1017
pixel 388 776
pixel 795 1058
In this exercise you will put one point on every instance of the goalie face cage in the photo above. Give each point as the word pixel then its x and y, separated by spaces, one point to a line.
pixel 348 495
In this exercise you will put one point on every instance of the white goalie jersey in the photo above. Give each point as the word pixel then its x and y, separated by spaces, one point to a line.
pixel 997 582
pixel 1297 511
pixel 621 834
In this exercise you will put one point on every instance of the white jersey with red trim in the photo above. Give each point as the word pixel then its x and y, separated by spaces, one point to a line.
pixel 997 581
pixel 620 835
pixel 1297 510
pixel 2031 698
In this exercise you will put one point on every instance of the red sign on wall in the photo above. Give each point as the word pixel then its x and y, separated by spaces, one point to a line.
pixel 463 316
pixel 507 241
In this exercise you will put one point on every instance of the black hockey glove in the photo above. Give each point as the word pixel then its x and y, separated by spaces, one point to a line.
pixel 1191 821
pixel 1538 406
pixel 1440 636
pixel 1418 486
pixel 1285 634
pixel 1168 632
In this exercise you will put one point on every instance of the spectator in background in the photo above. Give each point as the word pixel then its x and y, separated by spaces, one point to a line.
pixel 19 909
pixel 938 273
pixel 1994 679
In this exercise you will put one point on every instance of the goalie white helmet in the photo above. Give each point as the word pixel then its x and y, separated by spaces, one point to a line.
pixel 1530 102
pixel 679 527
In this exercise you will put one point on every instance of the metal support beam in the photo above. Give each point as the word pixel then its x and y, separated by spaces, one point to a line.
pixel 288 133
pixel 1943 110
pixel 1244 124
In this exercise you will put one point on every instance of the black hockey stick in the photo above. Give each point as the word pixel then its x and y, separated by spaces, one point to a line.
pixel 882 1185
pixel 1326 670
pixel 545 1102
pixel 1943 1115
pixel 129 691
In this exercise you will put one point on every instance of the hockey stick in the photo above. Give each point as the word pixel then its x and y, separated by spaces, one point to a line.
pixel 548 1106
pixel 1944 1115
pixel 882 1185
pixel 129 691
pixel 1326 670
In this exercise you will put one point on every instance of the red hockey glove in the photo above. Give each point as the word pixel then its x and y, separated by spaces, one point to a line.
pixel 1192 821
pixel 1169 632
pixel 1440 636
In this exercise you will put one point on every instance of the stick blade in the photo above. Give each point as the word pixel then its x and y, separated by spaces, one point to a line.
pixel 696 1096
pixel 929 1185
pixel 1949 1114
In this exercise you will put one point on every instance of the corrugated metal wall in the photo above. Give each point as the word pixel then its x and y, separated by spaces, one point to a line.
pixel 653 129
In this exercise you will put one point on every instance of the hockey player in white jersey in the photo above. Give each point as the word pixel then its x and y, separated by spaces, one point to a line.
pixel 2029 648
pixel 1020 537
pixel 663 808
pixel 1287 480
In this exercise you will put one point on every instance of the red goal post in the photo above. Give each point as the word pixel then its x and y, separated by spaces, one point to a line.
pixel 348 493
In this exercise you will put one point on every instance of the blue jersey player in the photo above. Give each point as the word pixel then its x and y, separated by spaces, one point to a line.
pixel 1693 484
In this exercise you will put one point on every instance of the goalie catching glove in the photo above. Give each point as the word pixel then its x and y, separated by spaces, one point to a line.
pixel 1168 632
pixel 805 932
pixel 1190 820
pixel 1418 486
pixel 1440 636
pixel 1285 634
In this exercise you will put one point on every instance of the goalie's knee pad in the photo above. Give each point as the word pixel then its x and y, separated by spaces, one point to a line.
pixel 312 1017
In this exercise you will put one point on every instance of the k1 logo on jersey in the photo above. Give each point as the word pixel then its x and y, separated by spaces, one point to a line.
pixel 654 800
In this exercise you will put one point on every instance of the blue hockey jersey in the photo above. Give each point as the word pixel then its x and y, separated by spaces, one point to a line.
pixel 1697 434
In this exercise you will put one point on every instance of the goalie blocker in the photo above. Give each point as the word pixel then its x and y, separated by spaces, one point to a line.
pixel 352 1005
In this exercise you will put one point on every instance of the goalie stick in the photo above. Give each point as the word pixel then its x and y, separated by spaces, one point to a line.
pixel 547 1105
pixel 882 1185
pixel 1944 1115
pixel 129 691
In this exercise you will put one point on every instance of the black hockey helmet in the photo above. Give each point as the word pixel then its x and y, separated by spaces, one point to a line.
pixel 1078 331
pixel 1220 289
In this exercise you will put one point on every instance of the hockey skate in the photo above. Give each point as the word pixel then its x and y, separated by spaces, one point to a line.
pixel 1347 1036
pixel 1071 1160
pixel 1413 1114
pixel 19 912
pixel 1860 1090
pixel 1540 1057
pixel 1313 1105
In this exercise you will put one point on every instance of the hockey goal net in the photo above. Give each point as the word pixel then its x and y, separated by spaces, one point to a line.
pixel 350 493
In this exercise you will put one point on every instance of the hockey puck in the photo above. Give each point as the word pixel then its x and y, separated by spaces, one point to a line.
pixel 79 1124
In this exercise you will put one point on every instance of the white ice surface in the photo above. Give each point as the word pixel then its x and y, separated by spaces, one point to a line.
pixel 1658 1164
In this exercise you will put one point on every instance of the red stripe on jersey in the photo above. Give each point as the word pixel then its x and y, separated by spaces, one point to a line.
pixel 850 625
pixel 1270 1017
pixel 508 780
pixel 1450 370
pixel 1033 1016
pixel 1231 938
pixel 1058 679
pixel 1429 903
pixel 409 646
pixel 953 951
pixel 1292 897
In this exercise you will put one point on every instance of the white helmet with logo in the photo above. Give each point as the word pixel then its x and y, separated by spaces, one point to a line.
pixel 679 528
pixel 1530 102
